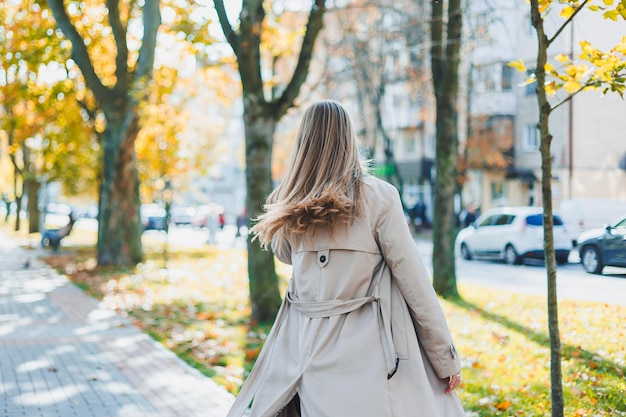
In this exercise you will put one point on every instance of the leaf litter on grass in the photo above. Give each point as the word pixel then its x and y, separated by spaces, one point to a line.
pixel 504 340
pixel 198 307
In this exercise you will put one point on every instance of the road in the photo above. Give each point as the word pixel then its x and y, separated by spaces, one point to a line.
pixel 572 281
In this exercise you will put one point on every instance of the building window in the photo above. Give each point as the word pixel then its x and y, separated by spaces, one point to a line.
pixel 498 193
pixel 507 78
pixel 398 101
pixel 530 138
pixel 484 79
pixel 409 144
pixel 431 147
pixel 532 87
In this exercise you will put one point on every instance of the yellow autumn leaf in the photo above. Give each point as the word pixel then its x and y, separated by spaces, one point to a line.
pixel 548 67
pixel 567 12
pixel 587 48
pixel 572 70
pixel 601 74
pixel 503 405
pixel 611 14
pixel 529 80
pixel 543 5
pixel 551 88
pixel 621 47
pixel 562 58
pixel 572 86
pixel 518 65
pixel 608 2
pixel 593 8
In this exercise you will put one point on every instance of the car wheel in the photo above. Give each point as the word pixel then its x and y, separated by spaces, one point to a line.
pixel 510 256
pixel 465 252
pixel 591 260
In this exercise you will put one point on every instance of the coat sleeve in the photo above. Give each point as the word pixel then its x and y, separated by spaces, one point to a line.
pixel 411 277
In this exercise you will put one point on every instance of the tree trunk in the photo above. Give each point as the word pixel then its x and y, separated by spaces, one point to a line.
pixel 7 205
pixel 264 295
pixel 260 118
pixel 445 63
pixel 32 191
pixel 556 380
pixel 119 223
pixel 18 210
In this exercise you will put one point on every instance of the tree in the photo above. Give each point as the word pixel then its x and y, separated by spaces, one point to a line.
pixel 487 146
pixel 260 118
pixel 607 71
pixel 489 136
pixel 158 142
pixel 445 63
pixel 379 48
pixel 41 120
pixel 118 87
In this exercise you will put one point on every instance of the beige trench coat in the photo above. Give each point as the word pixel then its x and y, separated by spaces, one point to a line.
pixel 360 331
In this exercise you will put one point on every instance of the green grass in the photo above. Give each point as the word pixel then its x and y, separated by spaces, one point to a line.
pixel 198 307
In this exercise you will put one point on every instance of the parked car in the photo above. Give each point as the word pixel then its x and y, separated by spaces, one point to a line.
pixel 603 247
pixel 153 217
pixel 511 234
pixel 182 215
pixel 582 214
pixel 205 215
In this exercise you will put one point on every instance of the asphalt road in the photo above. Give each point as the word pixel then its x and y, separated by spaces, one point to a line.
pixel 531 278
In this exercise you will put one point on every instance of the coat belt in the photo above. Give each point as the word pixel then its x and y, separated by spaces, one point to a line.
pixel 329 308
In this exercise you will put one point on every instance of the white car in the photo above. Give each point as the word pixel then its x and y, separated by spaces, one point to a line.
pixel 512 234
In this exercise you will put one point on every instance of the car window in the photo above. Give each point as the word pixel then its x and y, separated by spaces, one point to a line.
pixel 537 220
pixel 620 227
pixel 621 224
pixel 504 219
pixel 488 221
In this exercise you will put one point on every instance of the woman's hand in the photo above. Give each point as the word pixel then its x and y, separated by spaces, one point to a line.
pixel 453 382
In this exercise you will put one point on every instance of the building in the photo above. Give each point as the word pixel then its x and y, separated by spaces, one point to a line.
pixel 589 143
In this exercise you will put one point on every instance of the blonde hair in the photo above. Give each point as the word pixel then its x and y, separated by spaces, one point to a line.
pixel 323 182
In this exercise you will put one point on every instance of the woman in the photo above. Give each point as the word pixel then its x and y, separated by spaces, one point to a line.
pixel 360 331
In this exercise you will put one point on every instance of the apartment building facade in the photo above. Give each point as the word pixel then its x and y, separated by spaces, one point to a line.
pixel 589 132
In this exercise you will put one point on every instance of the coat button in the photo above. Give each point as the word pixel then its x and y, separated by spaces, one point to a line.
pixel 322 258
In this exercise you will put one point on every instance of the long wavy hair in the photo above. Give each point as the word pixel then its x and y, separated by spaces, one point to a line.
pixel 323 182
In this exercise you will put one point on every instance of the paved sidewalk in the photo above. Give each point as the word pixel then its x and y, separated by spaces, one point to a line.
pixel 62 354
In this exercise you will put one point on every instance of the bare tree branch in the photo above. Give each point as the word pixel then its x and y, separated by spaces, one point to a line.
pixel 313 27
pixel 119 34
pixel 250 29
pixel 151 23
pixel 571 96
pixel 230 34
pixel 567 22
pixel 79 50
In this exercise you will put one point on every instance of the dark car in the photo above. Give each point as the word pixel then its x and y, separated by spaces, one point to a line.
pixel 603 247
pixel 153 217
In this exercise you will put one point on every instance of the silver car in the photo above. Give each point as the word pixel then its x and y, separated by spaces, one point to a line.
pixel 512 234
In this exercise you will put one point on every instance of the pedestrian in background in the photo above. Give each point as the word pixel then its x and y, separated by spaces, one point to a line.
pixel 469 215
pixel 360 331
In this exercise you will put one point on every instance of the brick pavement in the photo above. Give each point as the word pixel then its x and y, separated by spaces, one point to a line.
pixel 62 354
